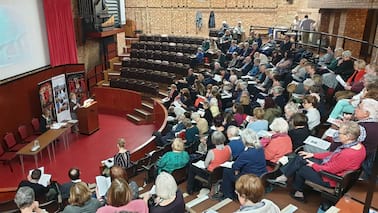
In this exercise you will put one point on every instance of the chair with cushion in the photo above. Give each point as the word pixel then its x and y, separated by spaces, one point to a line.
pixel 213 178
pixel 11 142
pixel 181 175
pixel 6 156
pixel 25 135
pixel 36 126
pixel 332 195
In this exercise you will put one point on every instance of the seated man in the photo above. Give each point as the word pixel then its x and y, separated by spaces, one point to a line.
pixel 74 175
pixel 40 191
pixel 25 200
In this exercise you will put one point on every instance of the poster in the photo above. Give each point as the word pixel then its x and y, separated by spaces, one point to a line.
pixel 61 102
pixel 76 84
pixel 47 99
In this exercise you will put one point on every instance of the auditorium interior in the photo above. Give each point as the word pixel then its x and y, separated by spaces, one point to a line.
pixel 191 92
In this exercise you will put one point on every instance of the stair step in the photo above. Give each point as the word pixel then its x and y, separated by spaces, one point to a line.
pixel 117 66
pixel 144 114
pixel 148 106
pixel 163 94
pixel 196 201
pixel 221 204
pixel 135 119
pixel 123 55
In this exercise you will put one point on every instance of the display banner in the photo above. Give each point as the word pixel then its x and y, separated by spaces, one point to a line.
pixel 76 84
pixel 61 102
pixel 47 99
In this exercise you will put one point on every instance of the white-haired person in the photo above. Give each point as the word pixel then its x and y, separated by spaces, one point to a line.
pixel 168 197
pixel 279 144
pixel 214 158
pixel 366 114
pixel 290 109
pixel 250 191
pixel 250 161
pixel 306 166
pixel 25 200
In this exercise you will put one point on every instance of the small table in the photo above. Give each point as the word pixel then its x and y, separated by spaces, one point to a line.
pixel 45 140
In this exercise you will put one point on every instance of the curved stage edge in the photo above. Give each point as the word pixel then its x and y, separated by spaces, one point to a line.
pixel 122 101
pixel 118 102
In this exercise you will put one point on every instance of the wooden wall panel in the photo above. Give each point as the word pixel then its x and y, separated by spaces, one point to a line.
pixel 218 3
pixel 232 3
pixel 166 3
pixel 154 3
pixel 159 21
pixel 199 4
pixel 179 21
pixel 19 99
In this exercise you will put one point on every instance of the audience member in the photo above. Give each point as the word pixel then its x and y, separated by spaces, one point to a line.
pixel 214 158
pixel 122 158
pixel 250 161
pixel 119 172
pixel 175 159
pixel 300 131
pixel 81 200
pixel 279 144
pixel 168 197
pixel 309 104
pixel 74 175
pixel 306 166
pixel 235 143
pixel 41 192
pixel 25 200
pixel 258 123
pixel 119 198
pixel 250 191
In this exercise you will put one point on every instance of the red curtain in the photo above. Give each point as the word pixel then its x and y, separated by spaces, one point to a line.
pixel 60 32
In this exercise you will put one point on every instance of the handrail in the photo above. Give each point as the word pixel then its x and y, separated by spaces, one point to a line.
pixel 321 35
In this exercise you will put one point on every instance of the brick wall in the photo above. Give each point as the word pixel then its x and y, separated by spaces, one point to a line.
pixel 178 16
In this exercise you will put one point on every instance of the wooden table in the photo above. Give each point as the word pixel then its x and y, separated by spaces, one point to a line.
pixel 45 140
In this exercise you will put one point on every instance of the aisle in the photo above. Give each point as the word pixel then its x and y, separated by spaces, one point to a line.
pixel 84 152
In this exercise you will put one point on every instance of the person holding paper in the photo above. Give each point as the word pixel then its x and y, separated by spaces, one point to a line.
pixel 306 166
pixel 81 200
pixel 214 158
pixel 119 198
pixel 40 190
pixel 279 144
pixel 74 175
pixel 250 161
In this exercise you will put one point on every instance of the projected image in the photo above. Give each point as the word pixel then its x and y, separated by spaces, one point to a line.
pixel 13 45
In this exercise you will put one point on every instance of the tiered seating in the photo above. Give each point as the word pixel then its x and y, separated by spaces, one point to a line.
pixel 158 65
pixel 137 85
pixel 146 74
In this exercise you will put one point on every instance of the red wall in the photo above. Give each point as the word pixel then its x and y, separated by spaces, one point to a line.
pixel 19 99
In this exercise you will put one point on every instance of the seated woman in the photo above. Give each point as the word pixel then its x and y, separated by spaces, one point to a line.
pixel 119 198
pixel 258 123
pixel 250 161
pixel 122 158
pixel 239 114
pixel 176 159
pixel 168 197
pixel 214 158
pixel 279 144
pixel 313 115
pixel 81 199
pixel 306 166
pixel 191 132
pixel 300 131
pixel 250 191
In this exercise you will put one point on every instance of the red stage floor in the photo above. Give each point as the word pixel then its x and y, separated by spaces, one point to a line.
pixel 84 152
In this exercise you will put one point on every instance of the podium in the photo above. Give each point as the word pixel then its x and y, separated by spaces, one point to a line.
pixel 88 118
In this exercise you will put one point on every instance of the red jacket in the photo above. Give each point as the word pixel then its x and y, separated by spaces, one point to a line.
pixel 346 160
pixel 279 146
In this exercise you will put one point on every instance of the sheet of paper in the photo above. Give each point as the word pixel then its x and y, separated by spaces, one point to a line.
pixel 317 142
pixel 217 78
pixel 340 80
pixel 227 164
pixel 45 180
pixel 200 164
pixel 103 184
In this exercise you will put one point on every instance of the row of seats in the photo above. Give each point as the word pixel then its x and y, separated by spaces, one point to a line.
pixel 170 38
pixel 171 67
pixel 10 144
pixel 165 46
pixel 149 75
pixel 136 85
pixel 161 55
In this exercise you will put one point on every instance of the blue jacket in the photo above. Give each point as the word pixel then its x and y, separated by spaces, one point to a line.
pixel 237 147
pixel 251 161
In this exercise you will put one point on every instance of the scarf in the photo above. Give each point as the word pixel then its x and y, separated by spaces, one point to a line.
pixel 338 150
